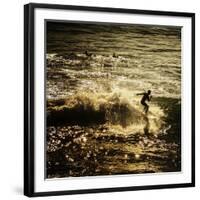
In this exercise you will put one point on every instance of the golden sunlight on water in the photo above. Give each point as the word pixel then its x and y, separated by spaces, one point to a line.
pixel 95 120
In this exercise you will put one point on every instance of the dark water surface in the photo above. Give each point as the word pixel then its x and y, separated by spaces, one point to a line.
pixel 95 123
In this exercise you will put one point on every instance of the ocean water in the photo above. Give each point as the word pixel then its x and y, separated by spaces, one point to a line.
pixel 95 122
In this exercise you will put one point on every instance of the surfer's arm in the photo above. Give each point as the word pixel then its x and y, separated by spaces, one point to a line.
pixel 149 98
pixel 140 93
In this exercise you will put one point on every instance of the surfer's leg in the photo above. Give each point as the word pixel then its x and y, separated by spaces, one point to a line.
pixel 144 104
pixel 147 108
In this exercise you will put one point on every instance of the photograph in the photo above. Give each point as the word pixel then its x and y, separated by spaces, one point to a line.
pixel 112 99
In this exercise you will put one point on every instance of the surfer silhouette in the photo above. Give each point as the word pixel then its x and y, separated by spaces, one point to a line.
pixel 146 97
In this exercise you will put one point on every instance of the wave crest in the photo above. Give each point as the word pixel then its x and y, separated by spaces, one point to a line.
pixel 89 108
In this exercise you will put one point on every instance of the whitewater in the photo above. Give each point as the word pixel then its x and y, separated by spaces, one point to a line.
pixel 95 122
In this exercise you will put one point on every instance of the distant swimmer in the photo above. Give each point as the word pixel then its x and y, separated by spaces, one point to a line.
pixel 88 54
pixel 146 97
pixel 115 55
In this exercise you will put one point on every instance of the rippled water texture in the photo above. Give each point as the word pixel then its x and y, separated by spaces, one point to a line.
pixel 95 122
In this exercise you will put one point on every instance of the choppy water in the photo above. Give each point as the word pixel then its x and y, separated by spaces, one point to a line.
pixel 95 123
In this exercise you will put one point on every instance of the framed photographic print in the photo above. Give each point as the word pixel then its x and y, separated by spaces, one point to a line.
pixel 108 99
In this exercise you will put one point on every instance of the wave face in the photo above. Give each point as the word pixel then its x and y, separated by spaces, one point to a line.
pixel 95 122
pixel 110 109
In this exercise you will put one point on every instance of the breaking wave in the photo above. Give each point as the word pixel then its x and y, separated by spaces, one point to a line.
pixel 118 112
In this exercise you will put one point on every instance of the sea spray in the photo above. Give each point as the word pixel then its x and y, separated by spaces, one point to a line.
pixel 112 109
pixel 95 122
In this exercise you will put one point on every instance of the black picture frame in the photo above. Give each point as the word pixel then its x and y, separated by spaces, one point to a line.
pixel 29 96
